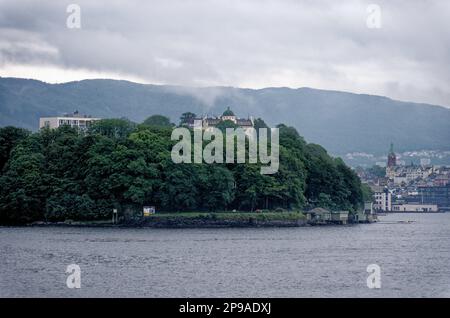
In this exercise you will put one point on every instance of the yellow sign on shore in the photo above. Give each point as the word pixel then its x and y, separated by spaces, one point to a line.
pixel 148 210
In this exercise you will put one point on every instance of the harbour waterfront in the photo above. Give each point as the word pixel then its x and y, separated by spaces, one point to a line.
pixel 327 261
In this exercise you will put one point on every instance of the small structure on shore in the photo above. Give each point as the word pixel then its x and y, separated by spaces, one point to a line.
pixel 339 217
pixel 318 216
pixel 368 215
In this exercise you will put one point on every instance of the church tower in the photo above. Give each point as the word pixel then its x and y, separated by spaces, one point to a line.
pixel 391 163
pixel 392 158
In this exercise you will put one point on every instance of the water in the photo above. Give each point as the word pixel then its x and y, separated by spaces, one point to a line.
pixel 265 262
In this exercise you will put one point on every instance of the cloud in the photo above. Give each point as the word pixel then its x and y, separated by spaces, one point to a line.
pixel 251 43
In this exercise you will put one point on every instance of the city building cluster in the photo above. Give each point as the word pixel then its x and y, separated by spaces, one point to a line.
pixel 409 188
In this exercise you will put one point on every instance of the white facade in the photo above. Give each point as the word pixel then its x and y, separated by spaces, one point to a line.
pixel 78 121
pixel 418 173
pixel 414 207
pixel 229 117
pixel 408 173
pixel 368 207
pixel 208 123
pixel 383 200
pixel 249 131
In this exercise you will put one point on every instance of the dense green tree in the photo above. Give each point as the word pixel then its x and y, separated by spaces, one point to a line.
pixel 367 193
pixel 331 177
pixel 377 171
pixel 158 120
pixel 250 186
pixel 352 195
pixel 179 189
pixel 23 186
pixel 186 117
pixel 9 138
pixel 113 128
pixel 259 123
pixel 216 185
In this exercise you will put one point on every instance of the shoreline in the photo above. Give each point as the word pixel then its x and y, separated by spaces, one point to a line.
pixel 210 220
pixel 191 220
pixel 182 220
pixel 411 212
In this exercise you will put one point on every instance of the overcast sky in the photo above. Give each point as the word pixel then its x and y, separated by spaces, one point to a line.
pixel 242 43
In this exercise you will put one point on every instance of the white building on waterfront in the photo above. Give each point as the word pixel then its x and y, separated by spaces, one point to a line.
pixel 414 207
pixel 383 199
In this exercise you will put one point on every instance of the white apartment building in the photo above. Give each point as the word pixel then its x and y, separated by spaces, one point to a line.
pixel 73 120
pixel 383 199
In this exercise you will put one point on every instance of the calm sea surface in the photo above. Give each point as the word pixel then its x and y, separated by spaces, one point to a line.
pixel 266 262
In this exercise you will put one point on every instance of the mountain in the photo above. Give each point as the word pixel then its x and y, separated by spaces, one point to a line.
pixel 341 122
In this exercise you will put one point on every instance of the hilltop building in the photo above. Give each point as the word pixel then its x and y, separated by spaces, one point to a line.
pixel 74 120
pixel 210 121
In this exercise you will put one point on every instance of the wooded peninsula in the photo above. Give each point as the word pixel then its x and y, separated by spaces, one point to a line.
pixel 55 175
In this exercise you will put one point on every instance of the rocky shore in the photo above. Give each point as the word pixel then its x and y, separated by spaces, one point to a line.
pixel 196 220
pixel 181 222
